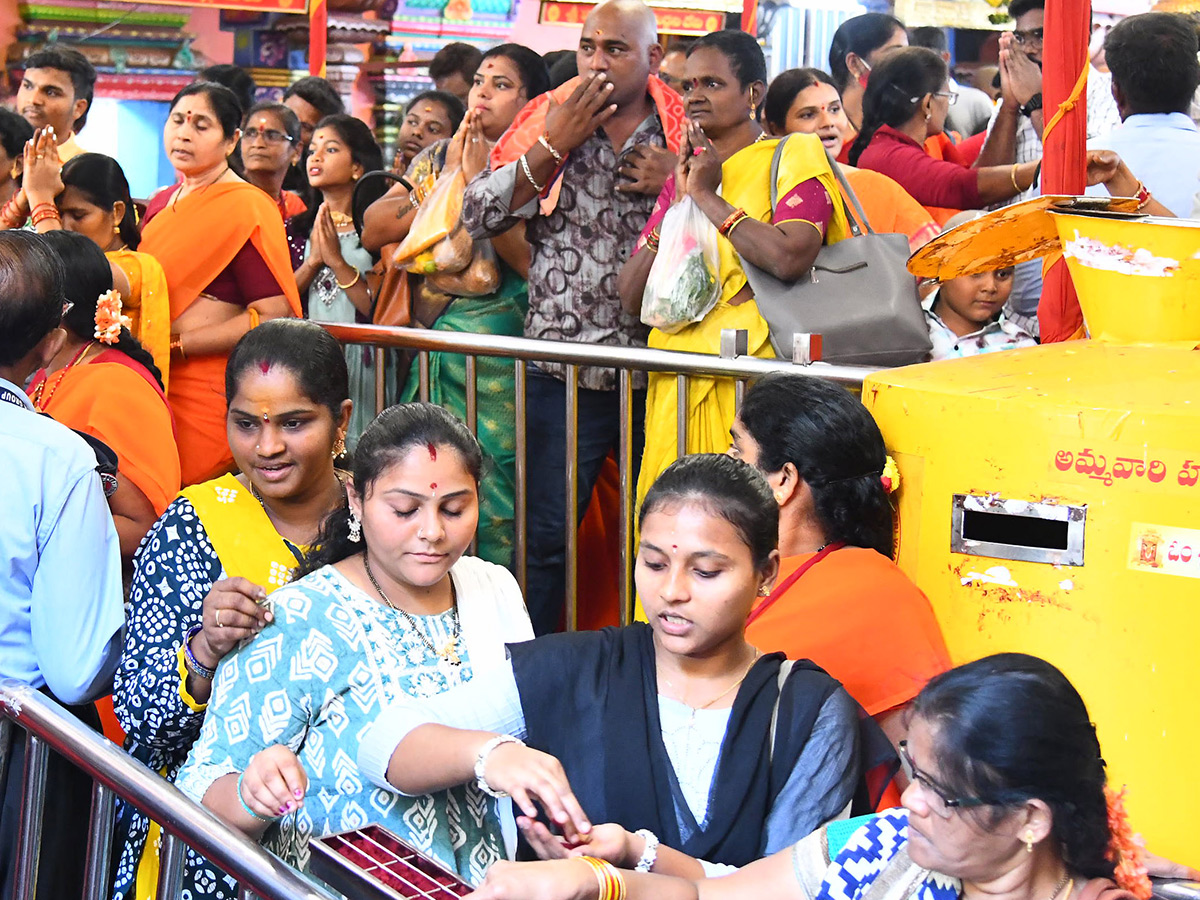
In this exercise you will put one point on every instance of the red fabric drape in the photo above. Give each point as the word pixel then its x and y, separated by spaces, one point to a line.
pixel 1065 56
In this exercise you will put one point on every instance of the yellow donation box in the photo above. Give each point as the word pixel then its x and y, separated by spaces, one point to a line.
pixel 1050 504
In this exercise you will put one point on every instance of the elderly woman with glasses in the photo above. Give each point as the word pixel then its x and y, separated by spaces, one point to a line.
pixel 270 147
pixel 1006 801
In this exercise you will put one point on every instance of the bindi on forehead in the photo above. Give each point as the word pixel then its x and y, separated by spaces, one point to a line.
pixel 432 452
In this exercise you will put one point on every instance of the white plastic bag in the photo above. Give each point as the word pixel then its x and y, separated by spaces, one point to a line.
pixel 682 287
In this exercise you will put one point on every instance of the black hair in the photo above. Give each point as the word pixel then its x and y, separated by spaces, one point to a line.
pixel 317 93
pixel 895 90
pixel 1010 728
pixel 91 276
pixel 454 107
pixel 224 102
pixel 535 77
pixel 233 77
pixel 741 49
pixel 679 45
pixel 1018 8
pixel 861 35
pixel 287 118
pixel 302 347
pixel 564 70
pixel 551 57
pixel 829 436
pixel 75 64
pixel 725 487
pixel 392 434
pixel 783 90
pixel 930 37
pixel 14 132
pixel 1152 58
pixel 360 141
pixel 31 292
pixel 102 182
pixel 455 57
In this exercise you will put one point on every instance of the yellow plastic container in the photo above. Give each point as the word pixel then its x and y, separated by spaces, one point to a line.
pixel 1104 440
pixel 1137 280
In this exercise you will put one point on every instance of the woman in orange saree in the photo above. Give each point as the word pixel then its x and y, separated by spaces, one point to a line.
pixel 223 248
pixel 104 383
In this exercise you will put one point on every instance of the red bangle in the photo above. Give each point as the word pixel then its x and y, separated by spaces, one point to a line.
pixel 736 216
pixel 1142 195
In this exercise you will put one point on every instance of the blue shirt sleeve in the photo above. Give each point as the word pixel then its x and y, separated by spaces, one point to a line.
pixel 76 611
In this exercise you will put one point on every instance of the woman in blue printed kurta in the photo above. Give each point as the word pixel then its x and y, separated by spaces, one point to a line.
pixel 406 615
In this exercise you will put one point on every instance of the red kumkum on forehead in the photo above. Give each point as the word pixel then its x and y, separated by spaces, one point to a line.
pixel 433 486
pixel 264 367
pixel 432 451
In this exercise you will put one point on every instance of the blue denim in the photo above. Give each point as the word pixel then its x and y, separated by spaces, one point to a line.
pixel 599 433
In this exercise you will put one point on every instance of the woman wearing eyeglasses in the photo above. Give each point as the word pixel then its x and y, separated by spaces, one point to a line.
pixel 905 103
pixel 270 147
pixel 1006 801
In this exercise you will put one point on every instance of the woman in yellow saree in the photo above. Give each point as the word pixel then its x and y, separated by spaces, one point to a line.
pixel 202 575
pixel 724 165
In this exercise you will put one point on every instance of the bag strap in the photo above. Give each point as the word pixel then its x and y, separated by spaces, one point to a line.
pixel 855 231
pixel 841 177
pixel 785 669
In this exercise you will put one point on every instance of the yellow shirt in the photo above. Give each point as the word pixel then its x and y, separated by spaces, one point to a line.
pixel 69 148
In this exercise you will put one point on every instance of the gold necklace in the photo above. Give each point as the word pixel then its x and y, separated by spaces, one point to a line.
pixel 448 653
pixel 75 360
pixel 340 219
pixel 695 709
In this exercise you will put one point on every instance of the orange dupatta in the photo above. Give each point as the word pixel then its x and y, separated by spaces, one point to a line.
pixel 530 124
pixel 195 240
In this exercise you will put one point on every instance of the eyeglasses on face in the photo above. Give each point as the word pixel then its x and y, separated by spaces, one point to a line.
pixel 270 135
pixel 951 96
pixel 939 799
pixel 1032 36
pixel 67 306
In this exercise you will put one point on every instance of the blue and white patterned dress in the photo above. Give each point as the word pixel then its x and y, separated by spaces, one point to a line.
pixel 319 675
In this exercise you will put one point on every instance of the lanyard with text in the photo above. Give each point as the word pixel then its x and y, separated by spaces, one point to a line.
pixel 783 587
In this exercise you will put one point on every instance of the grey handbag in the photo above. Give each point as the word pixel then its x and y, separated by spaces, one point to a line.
pixel 859 295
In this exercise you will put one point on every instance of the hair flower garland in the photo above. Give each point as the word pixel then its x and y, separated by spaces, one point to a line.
pixel 890 476
pixel 109 320
pixel 1125 848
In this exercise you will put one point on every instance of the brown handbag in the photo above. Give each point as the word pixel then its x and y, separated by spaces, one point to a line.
pixel 391 289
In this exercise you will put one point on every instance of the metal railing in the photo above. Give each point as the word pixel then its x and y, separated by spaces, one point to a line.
pixel 114 774
pixel 731 363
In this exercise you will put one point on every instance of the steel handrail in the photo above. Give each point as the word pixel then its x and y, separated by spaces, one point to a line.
pixel 597 355
pixel 255 869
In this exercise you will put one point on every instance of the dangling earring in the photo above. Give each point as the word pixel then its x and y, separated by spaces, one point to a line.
pixel 354 532
pixel 1029 840
pixel 116 227
pixel 339 447
pixel 928 116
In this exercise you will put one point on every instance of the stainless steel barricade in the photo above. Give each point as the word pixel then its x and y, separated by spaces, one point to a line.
pixel 732 363
pixel 49 727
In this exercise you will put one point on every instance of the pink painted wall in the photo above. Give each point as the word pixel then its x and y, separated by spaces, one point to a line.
pixel 211 42
pixel 542 38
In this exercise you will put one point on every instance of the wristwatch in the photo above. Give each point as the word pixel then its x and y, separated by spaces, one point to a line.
pixel 1034 104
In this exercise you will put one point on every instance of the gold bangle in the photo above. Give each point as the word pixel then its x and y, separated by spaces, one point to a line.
pixel 254 318
pixel 353 281
pixel 608 878
pixel 1013 175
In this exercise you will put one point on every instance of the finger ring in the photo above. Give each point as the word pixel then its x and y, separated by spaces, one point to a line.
pixel 40 155
pixel 218 618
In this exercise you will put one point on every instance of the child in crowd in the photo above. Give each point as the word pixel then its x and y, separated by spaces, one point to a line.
pixel 965 315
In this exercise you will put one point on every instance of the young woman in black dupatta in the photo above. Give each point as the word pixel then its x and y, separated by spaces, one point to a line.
pixel 678 728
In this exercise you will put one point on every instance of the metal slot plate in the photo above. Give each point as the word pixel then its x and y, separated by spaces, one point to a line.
pixel 1075 518
pixel 373 864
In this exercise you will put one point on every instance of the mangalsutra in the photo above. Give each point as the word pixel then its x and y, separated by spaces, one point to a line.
pixel 449 652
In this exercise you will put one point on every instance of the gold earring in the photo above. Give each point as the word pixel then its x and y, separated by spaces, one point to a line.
pixel 779 496
pixel 116 227
pixel 764 591
pixel 1029 840
pixel 339 447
